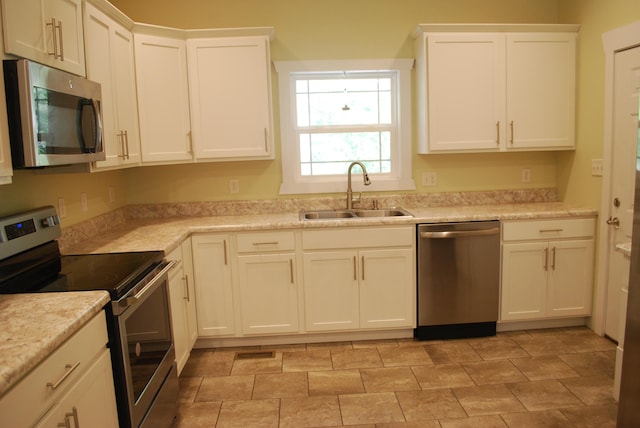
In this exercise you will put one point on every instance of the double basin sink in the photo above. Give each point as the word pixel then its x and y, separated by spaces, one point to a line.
pixel 353 214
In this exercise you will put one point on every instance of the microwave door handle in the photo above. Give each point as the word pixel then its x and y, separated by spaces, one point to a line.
pixel 82 104
pixel 93 104
pixel 99 133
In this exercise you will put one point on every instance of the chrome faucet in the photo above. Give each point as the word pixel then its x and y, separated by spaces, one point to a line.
pixel 349 191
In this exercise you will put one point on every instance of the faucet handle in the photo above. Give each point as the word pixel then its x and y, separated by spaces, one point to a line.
pixel 375 204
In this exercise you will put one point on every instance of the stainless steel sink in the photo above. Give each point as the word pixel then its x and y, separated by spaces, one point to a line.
pixel 353 214
pixel 326 214
pixel 388 212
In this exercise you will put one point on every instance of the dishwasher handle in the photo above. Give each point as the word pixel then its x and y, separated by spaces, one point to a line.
pixel 449 234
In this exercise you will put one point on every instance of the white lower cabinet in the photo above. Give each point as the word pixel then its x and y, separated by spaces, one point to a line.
pixel 88 402
pixel 72 387
pixel 547 269
pixel 213 285
pixel 267 282
pixel 291 282
pixel 182 301
pixel 369 284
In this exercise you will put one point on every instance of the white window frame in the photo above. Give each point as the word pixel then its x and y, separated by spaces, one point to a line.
pixel 293 182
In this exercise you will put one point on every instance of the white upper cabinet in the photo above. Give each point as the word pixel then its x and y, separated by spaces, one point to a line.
pixel 110 62
pixel 230 93
pixel 486 88
pixel 46 31
pixel 163 99
pixel 541 74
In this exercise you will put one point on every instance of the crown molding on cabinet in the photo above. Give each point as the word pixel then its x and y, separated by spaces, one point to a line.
pixel 158 30
pixel 495 28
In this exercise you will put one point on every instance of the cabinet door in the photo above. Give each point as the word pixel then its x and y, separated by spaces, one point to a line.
pixel 524 280
pixel 29 32
pixel 465 92
pixel 99 47
pixel 387 288
pixel 268 293
pixel 331 297
pixel 91 402
pixel 541 90
pixel 124 77
pixel 179 321
pixel 230 92
pixel 163 99
pixel 571 280
pixel 214 291
pixel 110 63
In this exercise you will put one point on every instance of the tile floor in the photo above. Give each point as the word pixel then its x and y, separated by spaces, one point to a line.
pixel 542 378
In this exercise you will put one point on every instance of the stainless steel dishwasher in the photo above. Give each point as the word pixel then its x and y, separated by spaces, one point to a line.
pixel 458 279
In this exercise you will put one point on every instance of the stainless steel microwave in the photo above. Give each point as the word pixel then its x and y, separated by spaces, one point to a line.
pixel 54 117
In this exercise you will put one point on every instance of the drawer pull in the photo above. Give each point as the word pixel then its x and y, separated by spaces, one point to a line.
pixel 225 251
pixel 551 230
pixel 266 243
pixel 70 368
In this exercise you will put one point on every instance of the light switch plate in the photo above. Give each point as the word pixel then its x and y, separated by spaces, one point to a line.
pixel 596 167
pixel 430 178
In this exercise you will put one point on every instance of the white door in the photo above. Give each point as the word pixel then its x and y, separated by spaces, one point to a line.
pixel 625 137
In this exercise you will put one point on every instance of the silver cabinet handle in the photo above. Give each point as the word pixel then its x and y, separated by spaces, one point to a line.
pixel 551 230
pixel 291 269
pixel 74 415
pixel 355 269
pixel 54 36
pixel 553 258
pixel 511 126
pixel 224 243
pixel 126 142
pixel 190 142
pixel 363 268
pixel 266 243
pixel 459 233
pixel 186 286
pixel 70 368
pixel 546 259
pixel 120 135
pixel 498 133
pixel 266 140
pixel 61 41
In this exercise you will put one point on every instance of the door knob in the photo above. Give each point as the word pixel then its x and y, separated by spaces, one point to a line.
pixel 614 221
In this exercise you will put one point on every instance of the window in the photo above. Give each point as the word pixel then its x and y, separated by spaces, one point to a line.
pixel 333 113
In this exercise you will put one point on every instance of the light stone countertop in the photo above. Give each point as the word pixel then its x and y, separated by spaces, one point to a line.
pixel 167 233
pixel 32 326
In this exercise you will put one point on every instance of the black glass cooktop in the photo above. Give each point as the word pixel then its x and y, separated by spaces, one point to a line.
pixel 44 270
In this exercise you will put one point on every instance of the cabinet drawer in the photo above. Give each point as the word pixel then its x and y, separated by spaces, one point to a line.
pixel 32 396
pixel 548 229
pixel 266 241
pixel 356 238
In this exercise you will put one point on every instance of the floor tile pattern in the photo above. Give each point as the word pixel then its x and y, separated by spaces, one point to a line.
pixel 535 378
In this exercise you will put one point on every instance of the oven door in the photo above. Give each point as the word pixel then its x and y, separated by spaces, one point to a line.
pixel 146 347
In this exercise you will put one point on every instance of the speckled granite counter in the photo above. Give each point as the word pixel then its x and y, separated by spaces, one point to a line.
pixel 34 325
pixel 167 233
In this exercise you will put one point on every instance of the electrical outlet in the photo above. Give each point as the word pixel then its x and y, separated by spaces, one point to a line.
pixel 596 167
pixel 526 175
pixel 112 195
pixel 83 202
pixel 62 208
pixel 234 186
pixel 430 178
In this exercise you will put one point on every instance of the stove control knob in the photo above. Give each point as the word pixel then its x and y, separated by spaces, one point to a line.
pixel 51 221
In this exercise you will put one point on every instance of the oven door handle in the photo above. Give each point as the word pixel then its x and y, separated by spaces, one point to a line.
pixel 132 300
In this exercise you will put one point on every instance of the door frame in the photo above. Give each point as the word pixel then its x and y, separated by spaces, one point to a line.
pixel 613 41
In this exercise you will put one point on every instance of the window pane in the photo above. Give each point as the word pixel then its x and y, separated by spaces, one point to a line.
pixel 331 153
pixel 302 103
pixel 305 148
pixel 302 86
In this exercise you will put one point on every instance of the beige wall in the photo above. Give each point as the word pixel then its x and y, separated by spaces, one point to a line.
pixel 335 29
pixel 596 17
pixel 352 29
